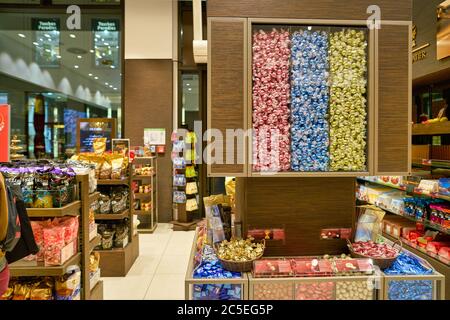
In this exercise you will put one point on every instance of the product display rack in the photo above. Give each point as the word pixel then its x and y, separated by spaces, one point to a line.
pixel 79 208
pixel 117 262
pixel 148 219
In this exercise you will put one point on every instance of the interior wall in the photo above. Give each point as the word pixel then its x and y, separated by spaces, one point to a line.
pixel 424 17
pixel 148 82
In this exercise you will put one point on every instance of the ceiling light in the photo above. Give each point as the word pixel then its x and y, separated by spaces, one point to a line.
pixel 72 36
pixel 115 88
pixel 111 86
pixel 90 74
pixel 97 36
pixel 21 35
pixel 113 67
pixel 310 28
pixel 106 43
pixel 91 51
pixel 40 39
pixel 79 57
pixel 117 47
pixel 50 93
pixel 190 89
pixel 47 35
pixel 106 83
pixel 96 78
pixel 76 67
pixel 48 50
pixel 188 84
pixel 35 43
pixel 58 56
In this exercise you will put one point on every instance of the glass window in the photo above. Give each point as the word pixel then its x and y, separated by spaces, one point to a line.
pixel 52 76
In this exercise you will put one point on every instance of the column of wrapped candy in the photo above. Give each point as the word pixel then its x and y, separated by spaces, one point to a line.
pixel 271 141
pixel 309 101
pixel 348 115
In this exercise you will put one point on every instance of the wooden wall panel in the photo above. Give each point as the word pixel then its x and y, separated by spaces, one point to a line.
pixel 394 100
pixel 309 9
pixel 227 88
pixel 148 104
pixel 304 206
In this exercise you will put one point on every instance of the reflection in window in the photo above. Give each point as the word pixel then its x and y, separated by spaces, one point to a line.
pixel 46 42
pixel 106 43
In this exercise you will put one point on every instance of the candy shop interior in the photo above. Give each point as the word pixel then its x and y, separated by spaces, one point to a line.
pixel 119 178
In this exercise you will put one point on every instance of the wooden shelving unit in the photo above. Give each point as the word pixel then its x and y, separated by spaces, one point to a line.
pixel 117 262
pixel 433 129
pixel 79 207
pixel 148 219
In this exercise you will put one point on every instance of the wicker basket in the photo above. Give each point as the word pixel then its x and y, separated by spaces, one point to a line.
pixel 239 266
pixel 382 263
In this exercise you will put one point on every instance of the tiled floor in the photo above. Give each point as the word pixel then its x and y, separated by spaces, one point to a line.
pixel 159 271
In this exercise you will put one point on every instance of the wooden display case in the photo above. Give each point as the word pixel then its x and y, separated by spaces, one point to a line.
pixel 190 281
pixel 389 84
pixel 148 219
pixel 80 208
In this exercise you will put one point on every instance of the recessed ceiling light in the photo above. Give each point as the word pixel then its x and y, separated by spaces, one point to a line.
pixel 58 56
pixel 21 35
pixel 106 83
pixel 36 43
pixel 40 39
pixel 188 84
pixel 96 78
pixel 113 67
pixel 48 50
pixel 47 35
pixel 59 97
pixel 90 74
pixel 91 51
pixel 79 57
pixel 106 43
pixel 310 28
pixel 76 67
pixel 117 47
pixel 50 93
pixel 190 89
pixel 111 86
pixel 72 36
pixel 115 88
pixel 97 36
pixel 103 54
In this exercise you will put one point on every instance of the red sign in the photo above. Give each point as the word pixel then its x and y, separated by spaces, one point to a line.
pixel 4 132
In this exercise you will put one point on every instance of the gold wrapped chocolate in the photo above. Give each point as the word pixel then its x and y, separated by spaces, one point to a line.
pixel 240 250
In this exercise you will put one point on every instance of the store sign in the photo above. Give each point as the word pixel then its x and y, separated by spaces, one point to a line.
pixel 4 132
pixel 90 129
pixel 443 30
pixel 45 24
pixel 105 25
pixel 418 52
pixel 155 136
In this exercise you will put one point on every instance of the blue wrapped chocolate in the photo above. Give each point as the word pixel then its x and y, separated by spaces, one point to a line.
pixel 409 289
pixel 309 101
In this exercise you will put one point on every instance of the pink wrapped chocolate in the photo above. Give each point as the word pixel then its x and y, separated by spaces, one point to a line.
pixel 315 291
pixel 271 92
pixel 53 245
pixel 70 225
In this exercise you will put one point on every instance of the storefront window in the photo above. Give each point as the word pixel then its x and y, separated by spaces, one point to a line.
pixel 52 76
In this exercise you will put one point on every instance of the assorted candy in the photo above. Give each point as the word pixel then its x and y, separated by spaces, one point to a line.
pixel 240 250
pixel 315 291
pixel 348 105
pixel 375 250
pixel 354 290
pixel 309 101
pixel 271 141
pixel 43 185
pixel 409 289
pixel 217 292
pixel 273 291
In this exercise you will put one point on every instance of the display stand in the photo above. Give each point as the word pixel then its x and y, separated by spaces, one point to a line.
pixel 80 208
pixel 118 261
pixel 148 218
pixel 183 216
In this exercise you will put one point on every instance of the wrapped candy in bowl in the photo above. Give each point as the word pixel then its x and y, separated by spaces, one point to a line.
pixel 382 254
pixel 238 255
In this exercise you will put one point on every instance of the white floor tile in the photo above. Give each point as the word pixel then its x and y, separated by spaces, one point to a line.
pixel 145 265
pixel 173 264
pixel 166 287
pixel 126 288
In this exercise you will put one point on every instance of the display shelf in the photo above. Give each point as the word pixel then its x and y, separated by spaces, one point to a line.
pixel 97 291
pixel 141 196
pixel 426 223
pixel 42 271
pixel 94 197
pixel 433 129
pixel 72 209
pixel 143 177
pixel 415 192
pixel 113 216
pixel 118 261
pixel 141 212
pixel 143 159
pixel 433 164
pixel 94 243
pixel 113 182
pixel 147 228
